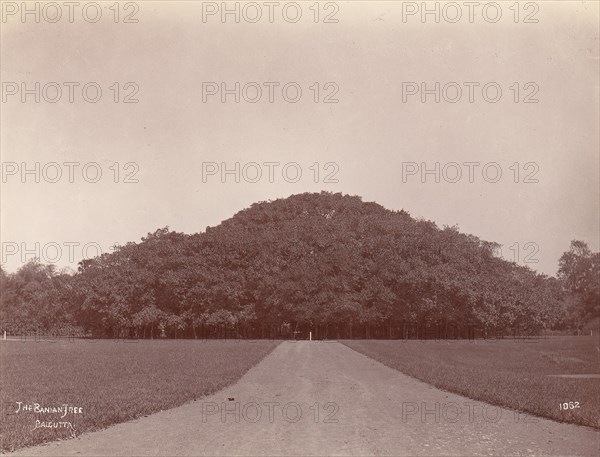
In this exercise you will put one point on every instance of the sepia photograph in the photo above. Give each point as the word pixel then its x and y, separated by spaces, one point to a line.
pixel 300 228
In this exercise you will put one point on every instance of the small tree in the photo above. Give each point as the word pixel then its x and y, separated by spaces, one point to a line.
pixel 579 270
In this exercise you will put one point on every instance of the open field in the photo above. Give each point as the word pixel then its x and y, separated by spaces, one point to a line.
pixel 509 373
pixel 322 398
pixel 111 381
pixel 328 398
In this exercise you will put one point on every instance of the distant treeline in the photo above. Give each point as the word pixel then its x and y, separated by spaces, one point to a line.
pixel 274 331
pixel 323 263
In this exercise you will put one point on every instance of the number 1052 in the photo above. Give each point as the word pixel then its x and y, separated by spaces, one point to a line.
pixel 569 405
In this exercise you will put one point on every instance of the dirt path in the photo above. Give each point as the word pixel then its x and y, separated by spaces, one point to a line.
pixel 364 408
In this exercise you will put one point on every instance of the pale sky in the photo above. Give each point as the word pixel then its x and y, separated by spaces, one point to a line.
pixel 370 134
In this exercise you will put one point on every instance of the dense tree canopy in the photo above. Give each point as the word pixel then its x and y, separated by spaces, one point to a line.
pixel 579 268
pixel 307 260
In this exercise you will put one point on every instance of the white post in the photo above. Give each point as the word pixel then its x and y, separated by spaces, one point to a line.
pixel 4 335
pixel 309 336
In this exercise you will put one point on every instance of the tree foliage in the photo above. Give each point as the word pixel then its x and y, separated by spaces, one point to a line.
pixel 579 269
pixel 310 259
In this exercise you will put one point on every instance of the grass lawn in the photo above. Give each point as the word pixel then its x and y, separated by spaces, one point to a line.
pixel 509 373
pixel 111 381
